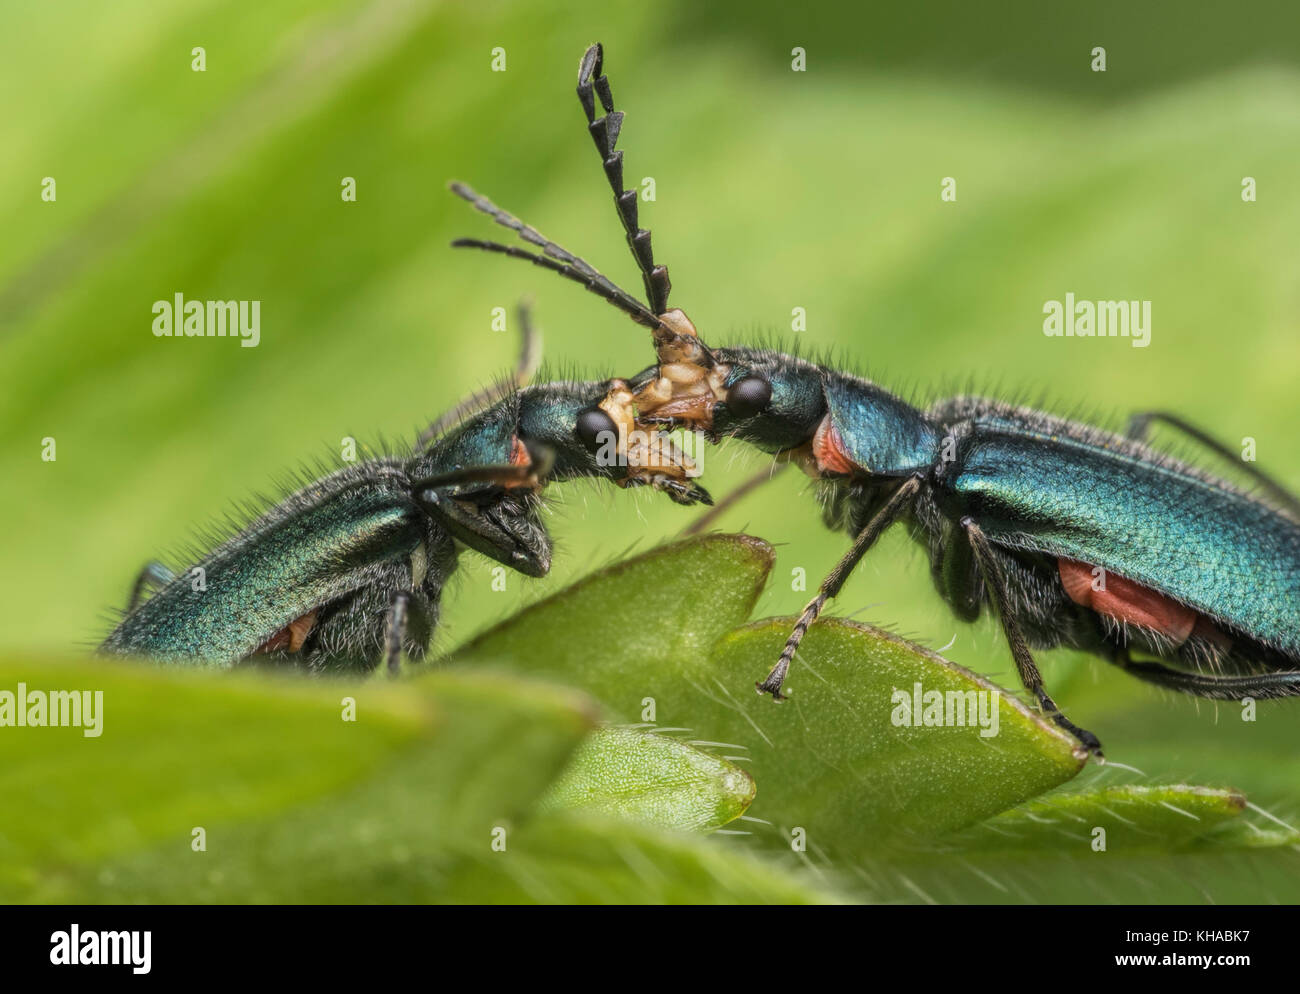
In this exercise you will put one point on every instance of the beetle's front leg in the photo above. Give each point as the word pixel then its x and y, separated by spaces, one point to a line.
pixel 900 499
pixel 991 571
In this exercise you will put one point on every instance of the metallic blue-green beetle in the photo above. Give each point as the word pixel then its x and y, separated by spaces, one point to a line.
pixel 348 570
pixel 1076 536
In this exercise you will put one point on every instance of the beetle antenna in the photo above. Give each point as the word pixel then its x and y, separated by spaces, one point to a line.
pixel 530 357
pixel 604 131
pixel 593 83
pixel 597 284
pixel 530 344
pixel 555 258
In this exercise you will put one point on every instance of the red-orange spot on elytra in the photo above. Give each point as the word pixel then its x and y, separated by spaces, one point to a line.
pixel 1129 602
pixel 292 636
pixel 519 457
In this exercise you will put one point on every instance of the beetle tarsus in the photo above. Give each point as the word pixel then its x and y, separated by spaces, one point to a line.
pixel 1085 737
pixel 772 683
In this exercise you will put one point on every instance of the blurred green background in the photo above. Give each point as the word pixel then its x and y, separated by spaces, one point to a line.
pixel 775 190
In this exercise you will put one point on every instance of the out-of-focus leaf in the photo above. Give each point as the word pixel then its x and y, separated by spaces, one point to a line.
pixel 1132 816
pixel 478 751
pixel 178 749
pixel 1164 844
pixel 581 860
pixel 662 781
pixel 1209 875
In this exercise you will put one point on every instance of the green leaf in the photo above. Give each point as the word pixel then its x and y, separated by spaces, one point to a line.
pixel 426 797
pixel 463 757
pixel 1172 843
pixel 628 773
pixel 1162 817
pixel 1054 876
pixel 835 760
pixel 831 761
pixel 580 860
pixel 178 749
pixel 661 611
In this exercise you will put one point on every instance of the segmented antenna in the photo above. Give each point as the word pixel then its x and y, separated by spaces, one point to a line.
pixel 556 258
pixel 592 83
pixel 604 131
pixel 530 357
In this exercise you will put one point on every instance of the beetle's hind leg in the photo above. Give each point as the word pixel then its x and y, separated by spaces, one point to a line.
pixel 154 574
pixel 1216 686
pixel 1139 426
pixel 991 571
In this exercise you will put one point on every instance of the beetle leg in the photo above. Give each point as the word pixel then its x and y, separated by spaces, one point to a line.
pixel 1210 685
pixel 991 571
pixel 1138 429
pixel 395 635
pixel 515 541
pixel 154 574
pixel 886 516
pixel 706 519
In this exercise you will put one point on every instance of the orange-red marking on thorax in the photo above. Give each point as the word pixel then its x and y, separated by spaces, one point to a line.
pixel 1133 604
pixel 519 452
pixel 519 457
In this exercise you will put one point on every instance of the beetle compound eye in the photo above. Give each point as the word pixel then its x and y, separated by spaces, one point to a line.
pixel 749 397
pixel 595 428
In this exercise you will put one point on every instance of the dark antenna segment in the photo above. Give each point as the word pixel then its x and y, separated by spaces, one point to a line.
pixel 593 83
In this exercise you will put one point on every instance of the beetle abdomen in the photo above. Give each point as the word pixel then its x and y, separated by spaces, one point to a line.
pixel 1127 603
